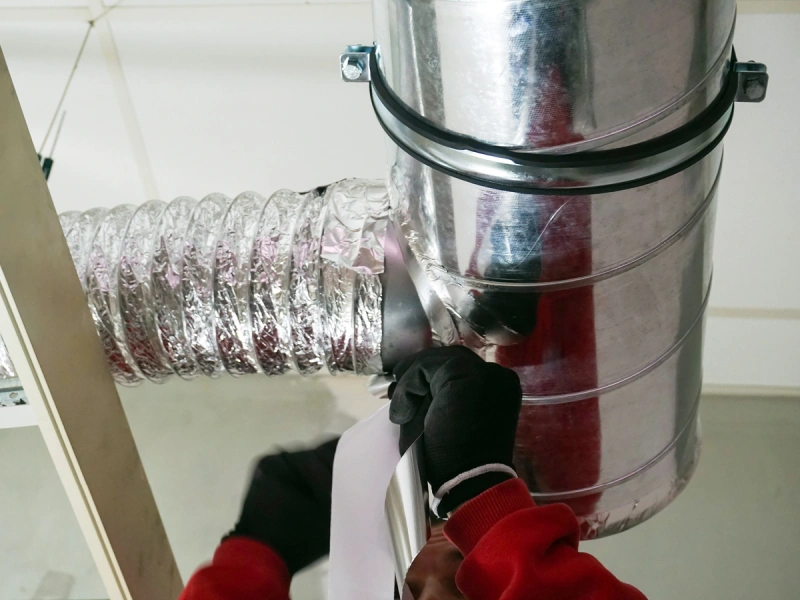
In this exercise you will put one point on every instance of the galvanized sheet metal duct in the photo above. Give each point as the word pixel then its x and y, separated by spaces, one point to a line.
pixel 553 169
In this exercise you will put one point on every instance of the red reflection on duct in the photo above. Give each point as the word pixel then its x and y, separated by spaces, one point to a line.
pixel 558 445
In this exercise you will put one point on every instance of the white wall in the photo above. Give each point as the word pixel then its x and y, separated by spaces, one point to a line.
pixel 238 98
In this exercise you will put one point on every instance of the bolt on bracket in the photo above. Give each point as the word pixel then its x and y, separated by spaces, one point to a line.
pixel 354 64
pixel 753 81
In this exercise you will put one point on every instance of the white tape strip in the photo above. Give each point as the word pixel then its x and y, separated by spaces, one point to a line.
pixel 361 560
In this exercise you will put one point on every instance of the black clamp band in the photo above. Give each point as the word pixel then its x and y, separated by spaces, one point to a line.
pixel 581 173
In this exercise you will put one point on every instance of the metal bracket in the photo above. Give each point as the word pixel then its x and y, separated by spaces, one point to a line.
pixel 753 80
pixel 354 64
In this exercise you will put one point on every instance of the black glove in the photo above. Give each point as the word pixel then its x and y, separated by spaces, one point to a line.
pixel 288 505
pixel 469 411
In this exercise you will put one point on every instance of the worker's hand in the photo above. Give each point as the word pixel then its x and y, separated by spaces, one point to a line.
pixel 469 411
pixel 288 505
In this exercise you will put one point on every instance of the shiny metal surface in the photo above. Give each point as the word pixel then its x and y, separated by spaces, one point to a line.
pixel 102 292
pixel 596 300
pixel 244 286
pixel 407 511
pixel 232 275
pixel 406 328
pixel 506 172
pixel 569 75
pixel 135 291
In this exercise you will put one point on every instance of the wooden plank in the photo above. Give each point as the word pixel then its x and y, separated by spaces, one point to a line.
pixel 52 341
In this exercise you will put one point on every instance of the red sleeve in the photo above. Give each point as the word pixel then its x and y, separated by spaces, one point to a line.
pixel 242 569
pixel 515 550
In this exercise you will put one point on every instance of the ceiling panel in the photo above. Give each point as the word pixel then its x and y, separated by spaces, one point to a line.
pixel 93 162
pixel 40 3
pixel 251 104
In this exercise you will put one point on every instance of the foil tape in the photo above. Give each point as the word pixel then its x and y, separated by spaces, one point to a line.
pixel 167 286
pixel 232 284
pixel 136 295
pixel 102 292
pixel 270 271
pixel 355 225
pixel 305 311
pixel 198 278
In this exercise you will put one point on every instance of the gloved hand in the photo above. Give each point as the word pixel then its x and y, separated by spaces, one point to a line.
pixel 288 505
pixel 469 411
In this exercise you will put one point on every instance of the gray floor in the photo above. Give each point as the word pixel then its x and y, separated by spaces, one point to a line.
pixel 734 533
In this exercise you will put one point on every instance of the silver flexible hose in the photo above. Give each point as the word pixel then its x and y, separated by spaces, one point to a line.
pixel 249 285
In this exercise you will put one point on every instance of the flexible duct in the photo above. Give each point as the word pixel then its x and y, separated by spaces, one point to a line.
pixel 249 285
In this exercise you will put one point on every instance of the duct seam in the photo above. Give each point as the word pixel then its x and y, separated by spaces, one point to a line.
pixel 453 278
pixel 560 496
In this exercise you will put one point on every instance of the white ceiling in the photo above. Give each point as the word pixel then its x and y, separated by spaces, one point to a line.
pixel 187 97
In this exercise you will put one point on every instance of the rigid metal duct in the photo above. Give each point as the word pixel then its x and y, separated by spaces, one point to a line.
pixel 553 170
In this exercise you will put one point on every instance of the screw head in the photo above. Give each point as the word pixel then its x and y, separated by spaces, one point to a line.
pixel 352 69
pixel 754 89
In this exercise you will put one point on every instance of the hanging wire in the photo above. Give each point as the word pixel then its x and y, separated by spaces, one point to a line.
pixel 77 62
pixel 66 87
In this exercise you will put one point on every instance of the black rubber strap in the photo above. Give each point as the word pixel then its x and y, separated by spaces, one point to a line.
pixel 380 92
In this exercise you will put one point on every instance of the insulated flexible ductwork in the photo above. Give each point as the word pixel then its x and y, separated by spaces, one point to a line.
pixel 250 285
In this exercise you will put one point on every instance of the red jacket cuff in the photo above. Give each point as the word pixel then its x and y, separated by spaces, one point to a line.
pixel 474 519
pixel 237 551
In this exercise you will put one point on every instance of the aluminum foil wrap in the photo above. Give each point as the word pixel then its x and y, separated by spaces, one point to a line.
pixel 102 292
pixel 269 281
pixel 232 284
pixel 167 285
pixel 356 225
pixel 338 287
pixel 305 310
pixel 135 292
pixel 198 282
pixel 245 286
pixel 367 329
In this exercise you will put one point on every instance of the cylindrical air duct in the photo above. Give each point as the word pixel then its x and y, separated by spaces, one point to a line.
pixel 553 170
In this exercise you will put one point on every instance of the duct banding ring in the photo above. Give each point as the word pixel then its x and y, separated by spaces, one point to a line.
pixel 599 171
